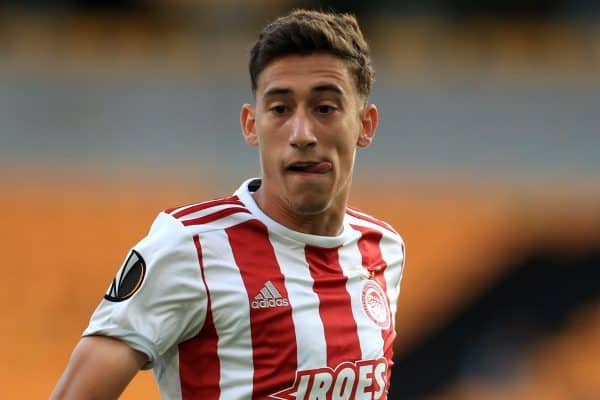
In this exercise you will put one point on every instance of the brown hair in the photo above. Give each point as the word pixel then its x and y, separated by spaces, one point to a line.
pixel 305 32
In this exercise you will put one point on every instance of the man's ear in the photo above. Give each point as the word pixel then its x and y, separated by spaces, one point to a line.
pixel 248 122
pixel 369 121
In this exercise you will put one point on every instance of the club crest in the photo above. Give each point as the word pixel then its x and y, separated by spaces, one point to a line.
pixel 375 304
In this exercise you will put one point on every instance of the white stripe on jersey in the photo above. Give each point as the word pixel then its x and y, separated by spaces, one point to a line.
pixel 310 333
pixel 226 286
pixel 167 377
pixel 393 254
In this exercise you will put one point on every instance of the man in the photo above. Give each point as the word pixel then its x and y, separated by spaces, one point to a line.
pixel 280 291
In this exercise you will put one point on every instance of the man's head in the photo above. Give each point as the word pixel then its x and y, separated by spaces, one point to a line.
pixel 311 76
pixel 306 32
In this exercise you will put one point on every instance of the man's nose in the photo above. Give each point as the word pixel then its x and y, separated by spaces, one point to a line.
pixel 302 134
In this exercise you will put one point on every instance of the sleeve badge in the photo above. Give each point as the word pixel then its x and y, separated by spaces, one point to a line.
pixel 128 279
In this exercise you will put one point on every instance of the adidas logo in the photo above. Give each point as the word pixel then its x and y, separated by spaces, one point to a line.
pixel 269 297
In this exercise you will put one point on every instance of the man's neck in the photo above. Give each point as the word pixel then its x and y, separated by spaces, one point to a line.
pixel 328 222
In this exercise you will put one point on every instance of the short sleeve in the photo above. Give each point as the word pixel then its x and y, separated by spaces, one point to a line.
pixel 157 298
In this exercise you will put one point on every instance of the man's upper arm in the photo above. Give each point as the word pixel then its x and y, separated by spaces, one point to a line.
pixel 100 368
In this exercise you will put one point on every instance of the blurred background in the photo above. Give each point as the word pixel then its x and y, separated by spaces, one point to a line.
pixel 487 161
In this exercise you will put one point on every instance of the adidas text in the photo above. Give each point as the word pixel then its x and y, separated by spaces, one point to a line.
pixel 268 303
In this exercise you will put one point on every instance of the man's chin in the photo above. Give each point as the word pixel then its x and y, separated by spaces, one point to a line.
pixel 308 204
pixel 309 197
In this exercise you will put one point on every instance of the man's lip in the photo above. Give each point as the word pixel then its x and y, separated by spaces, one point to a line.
pixel 310 166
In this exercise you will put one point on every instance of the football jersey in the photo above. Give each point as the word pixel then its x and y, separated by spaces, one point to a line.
pixel 229 304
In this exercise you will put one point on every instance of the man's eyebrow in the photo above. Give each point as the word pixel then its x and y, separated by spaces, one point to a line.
pixel 328 87
pixel 277 91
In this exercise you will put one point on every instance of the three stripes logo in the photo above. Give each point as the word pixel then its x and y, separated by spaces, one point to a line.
pixel 269 297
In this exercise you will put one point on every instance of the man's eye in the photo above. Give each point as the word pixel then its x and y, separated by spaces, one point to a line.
pixel 325 109
pixel 278 109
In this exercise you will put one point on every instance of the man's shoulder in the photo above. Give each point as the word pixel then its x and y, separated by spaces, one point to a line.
pixel 388 240
pixel 207 215
pixel 359 218
pixel 176 229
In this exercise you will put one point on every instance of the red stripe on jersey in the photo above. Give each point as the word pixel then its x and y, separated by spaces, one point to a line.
pixel 357 214
pixel 335 306
pixel 199 366
pixel 202 206
pixel 368 244
pixel 215 216
pixel 171 209
pixel 271 325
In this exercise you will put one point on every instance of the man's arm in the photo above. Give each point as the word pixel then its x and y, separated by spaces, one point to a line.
pixel 100 368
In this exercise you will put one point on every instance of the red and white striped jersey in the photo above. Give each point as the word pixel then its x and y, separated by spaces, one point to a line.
pixel 229 304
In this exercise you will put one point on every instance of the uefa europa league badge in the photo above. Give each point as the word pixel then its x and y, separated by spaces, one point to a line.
pixel 375 304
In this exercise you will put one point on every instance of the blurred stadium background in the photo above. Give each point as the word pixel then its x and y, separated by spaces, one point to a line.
pixel 487 160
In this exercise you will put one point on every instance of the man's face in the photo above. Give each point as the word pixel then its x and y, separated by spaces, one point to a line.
pixel 307 122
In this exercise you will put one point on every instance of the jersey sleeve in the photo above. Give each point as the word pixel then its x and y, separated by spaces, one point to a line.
pixel 157 298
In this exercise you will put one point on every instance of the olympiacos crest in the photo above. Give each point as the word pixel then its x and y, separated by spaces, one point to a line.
pixel 375 304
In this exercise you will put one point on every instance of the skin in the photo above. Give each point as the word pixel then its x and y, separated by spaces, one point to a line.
pixel 307 110
pixel 99 369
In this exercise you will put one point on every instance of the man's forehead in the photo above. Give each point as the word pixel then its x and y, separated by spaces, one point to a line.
pixel 313 73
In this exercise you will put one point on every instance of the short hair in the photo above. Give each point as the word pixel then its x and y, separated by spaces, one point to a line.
pixel 306 32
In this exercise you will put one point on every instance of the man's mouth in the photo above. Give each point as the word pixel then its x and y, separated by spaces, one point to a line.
pixel 311 167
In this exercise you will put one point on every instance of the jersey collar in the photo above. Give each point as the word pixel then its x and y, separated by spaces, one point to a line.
pixel 244 193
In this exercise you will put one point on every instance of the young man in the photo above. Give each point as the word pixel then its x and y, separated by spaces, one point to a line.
pixel 280 291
